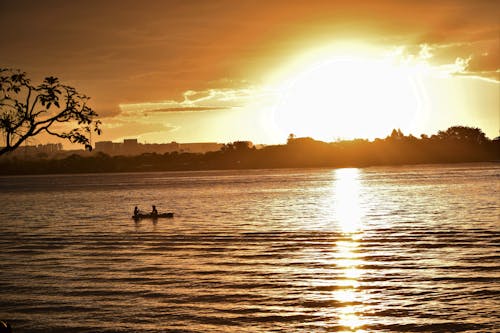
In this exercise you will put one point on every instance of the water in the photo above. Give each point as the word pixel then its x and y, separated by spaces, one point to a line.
pixel 396 249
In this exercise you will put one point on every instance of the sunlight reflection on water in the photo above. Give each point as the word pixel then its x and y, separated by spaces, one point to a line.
pixel 347 187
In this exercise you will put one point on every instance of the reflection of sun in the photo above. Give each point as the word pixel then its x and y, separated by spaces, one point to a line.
pixel 348 215
pixel 347 207
pixel 348 293
pixel 349 95
pixel 345 296
pixel 351 321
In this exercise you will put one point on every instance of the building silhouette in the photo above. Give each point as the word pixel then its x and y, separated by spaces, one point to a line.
pixel 46 150
pixel 133 147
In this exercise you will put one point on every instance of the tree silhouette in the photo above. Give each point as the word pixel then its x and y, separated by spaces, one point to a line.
pixel 464 134
pixel 396 134
pixel 237 146
pixel 27 110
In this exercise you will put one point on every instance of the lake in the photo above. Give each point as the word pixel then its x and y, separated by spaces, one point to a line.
pixel 386 249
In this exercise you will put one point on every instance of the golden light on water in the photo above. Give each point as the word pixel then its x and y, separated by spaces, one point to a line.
pixel 348 213
pixel 347 206
pixel 348 294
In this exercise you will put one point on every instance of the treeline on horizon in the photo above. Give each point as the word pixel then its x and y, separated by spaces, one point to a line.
pixel 455 145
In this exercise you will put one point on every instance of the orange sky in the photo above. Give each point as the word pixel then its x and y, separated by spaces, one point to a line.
pixel 190 71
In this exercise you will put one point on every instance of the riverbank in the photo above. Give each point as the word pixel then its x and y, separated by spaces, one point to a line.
pixel 397 149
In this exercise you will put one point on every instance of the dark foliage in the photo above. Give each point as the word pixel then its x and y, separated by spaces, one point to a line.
pixel 455 145
pixel 27 110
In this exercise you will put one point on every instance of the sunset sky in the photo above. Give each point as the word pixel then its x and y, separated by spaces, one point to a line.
pixel 220 71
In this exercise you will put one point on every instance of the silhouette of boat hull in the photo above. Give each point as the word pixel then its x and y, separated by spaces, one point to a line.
pixel 151 216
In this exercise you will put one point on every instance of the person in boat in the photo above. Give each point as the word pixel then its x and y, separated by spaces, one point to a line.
pixel 154 212
pixel 136 211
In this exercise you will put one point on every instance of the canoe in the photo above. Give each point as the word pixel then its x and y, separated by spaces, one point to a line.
pixel 151 216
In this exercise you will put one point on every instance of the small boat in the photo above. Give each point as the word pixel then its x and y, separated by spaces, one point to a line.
pixel 151 216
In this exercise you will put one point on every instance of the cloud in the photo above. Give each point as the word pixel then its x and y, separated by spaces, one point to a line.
pixel 214 99
pixel 476 59
pixel 118 129
pixel 483 64
pixel 191 109
pixel 155 119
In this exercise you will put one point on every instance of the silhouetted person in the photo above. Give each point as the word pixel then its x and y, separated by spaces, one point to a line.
pixel 5 327
pixel 136 211
pixel 154 212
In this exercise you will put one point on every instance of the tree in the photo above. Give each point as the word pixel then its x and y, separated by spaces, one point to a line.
pixel 242 145
pixel 27 110
pixel 237 146
pixel 396 134
pixel 464 134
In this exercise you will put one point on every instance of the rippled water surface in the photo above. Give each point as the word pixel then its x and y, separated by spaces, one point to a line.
pixel 399 249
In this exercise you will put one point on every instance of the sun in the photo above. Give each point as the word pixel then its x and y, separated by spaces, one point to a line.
pixel 349 95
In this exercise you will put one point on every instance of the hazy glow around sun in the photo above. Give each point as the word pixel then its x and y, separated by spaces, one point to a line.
pixel 350 93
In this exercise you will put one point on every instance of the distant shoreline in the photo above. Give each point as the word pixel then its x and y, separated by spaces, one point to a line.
pixel 143 168
pixel 458 144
